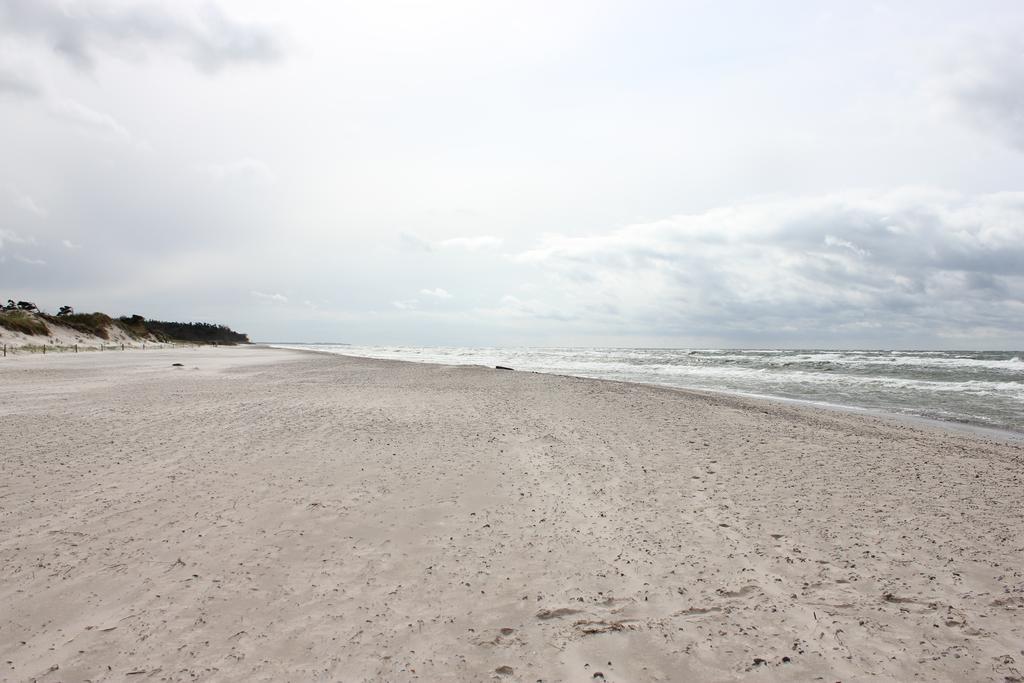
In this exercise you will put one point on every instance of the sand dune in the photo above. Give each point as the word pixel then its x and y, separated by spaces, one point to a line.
pixel 261 514
pixel 67 339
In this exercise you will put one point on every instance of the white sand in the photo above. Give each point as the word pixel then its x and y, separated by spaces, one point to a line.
pixel 271 515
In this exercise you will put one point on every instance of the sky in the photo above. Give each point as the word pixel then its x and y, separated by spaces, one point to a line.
pixel 594 173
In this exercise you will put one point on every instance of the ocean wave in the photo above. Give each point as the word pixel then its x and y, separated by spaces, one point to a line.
pixel 984 388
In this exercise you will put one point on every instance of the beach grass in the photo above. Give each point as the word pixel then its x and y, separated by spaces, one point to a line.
pixel 25 323
pixel 96 324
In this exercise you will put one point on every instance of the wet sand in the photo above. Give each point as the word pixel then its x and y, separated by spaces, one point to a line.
pixel 263 514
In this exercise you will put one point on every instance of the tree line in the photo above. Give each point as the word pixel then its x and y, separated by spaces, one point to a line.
pixel 203 333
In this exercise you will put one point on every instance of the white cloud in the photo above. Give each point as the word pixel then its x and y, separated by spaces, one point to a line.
pixel 406 305
pixel 275 297
pixel 11 237
pixel 89 118
pixel 29 261
pixel 29 204
pixel 26 202
pixel 70 245
pixel 832 241
pixel 14 82
pixel 436 293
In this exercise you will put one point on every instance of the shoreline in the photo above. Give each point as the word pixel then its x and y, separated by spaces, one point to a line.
pixel 995 433
pixel 263 515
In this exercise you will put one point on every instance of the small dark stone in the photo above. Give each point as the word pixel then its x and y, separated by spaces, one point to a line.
pixel 786 660
pixel 177 365
pixel 759 662
pixel 504 670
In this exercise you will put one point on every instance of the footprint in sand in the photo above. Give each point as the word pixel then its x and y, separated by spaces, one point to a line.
pixel 741 593
pixel 556 613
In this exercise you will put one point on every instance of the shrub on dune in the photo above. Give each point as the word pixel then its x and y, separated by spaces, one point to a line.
pixel 26 323
pixel 97 324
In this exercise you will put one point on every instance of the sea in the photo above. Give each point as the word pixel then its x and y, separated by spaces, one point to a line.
pixel 979 388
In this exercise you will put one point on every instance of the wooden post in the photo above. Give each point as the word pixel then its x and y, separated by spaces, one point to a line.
pixel 44 349
pixel 122 347
pixel 5 350
pixel 76 348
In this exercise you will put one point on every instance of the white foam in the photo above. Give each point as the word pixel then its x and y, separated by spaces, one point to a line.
pixel 985 389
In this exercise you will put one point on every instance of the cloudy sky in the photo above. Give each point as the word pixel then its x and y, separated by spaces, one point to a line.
pixel 840 174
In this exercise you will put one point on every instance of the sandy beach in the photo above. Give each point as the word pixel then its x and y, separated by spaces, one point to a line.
pixel 260 514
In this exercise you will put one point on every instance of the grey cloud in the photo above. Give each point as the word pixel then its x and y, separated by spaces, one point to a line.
pixel 512 307
pixel 79 30
pixel 987 88
pixel 919 259
pixel 18 85
pixel 224 41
